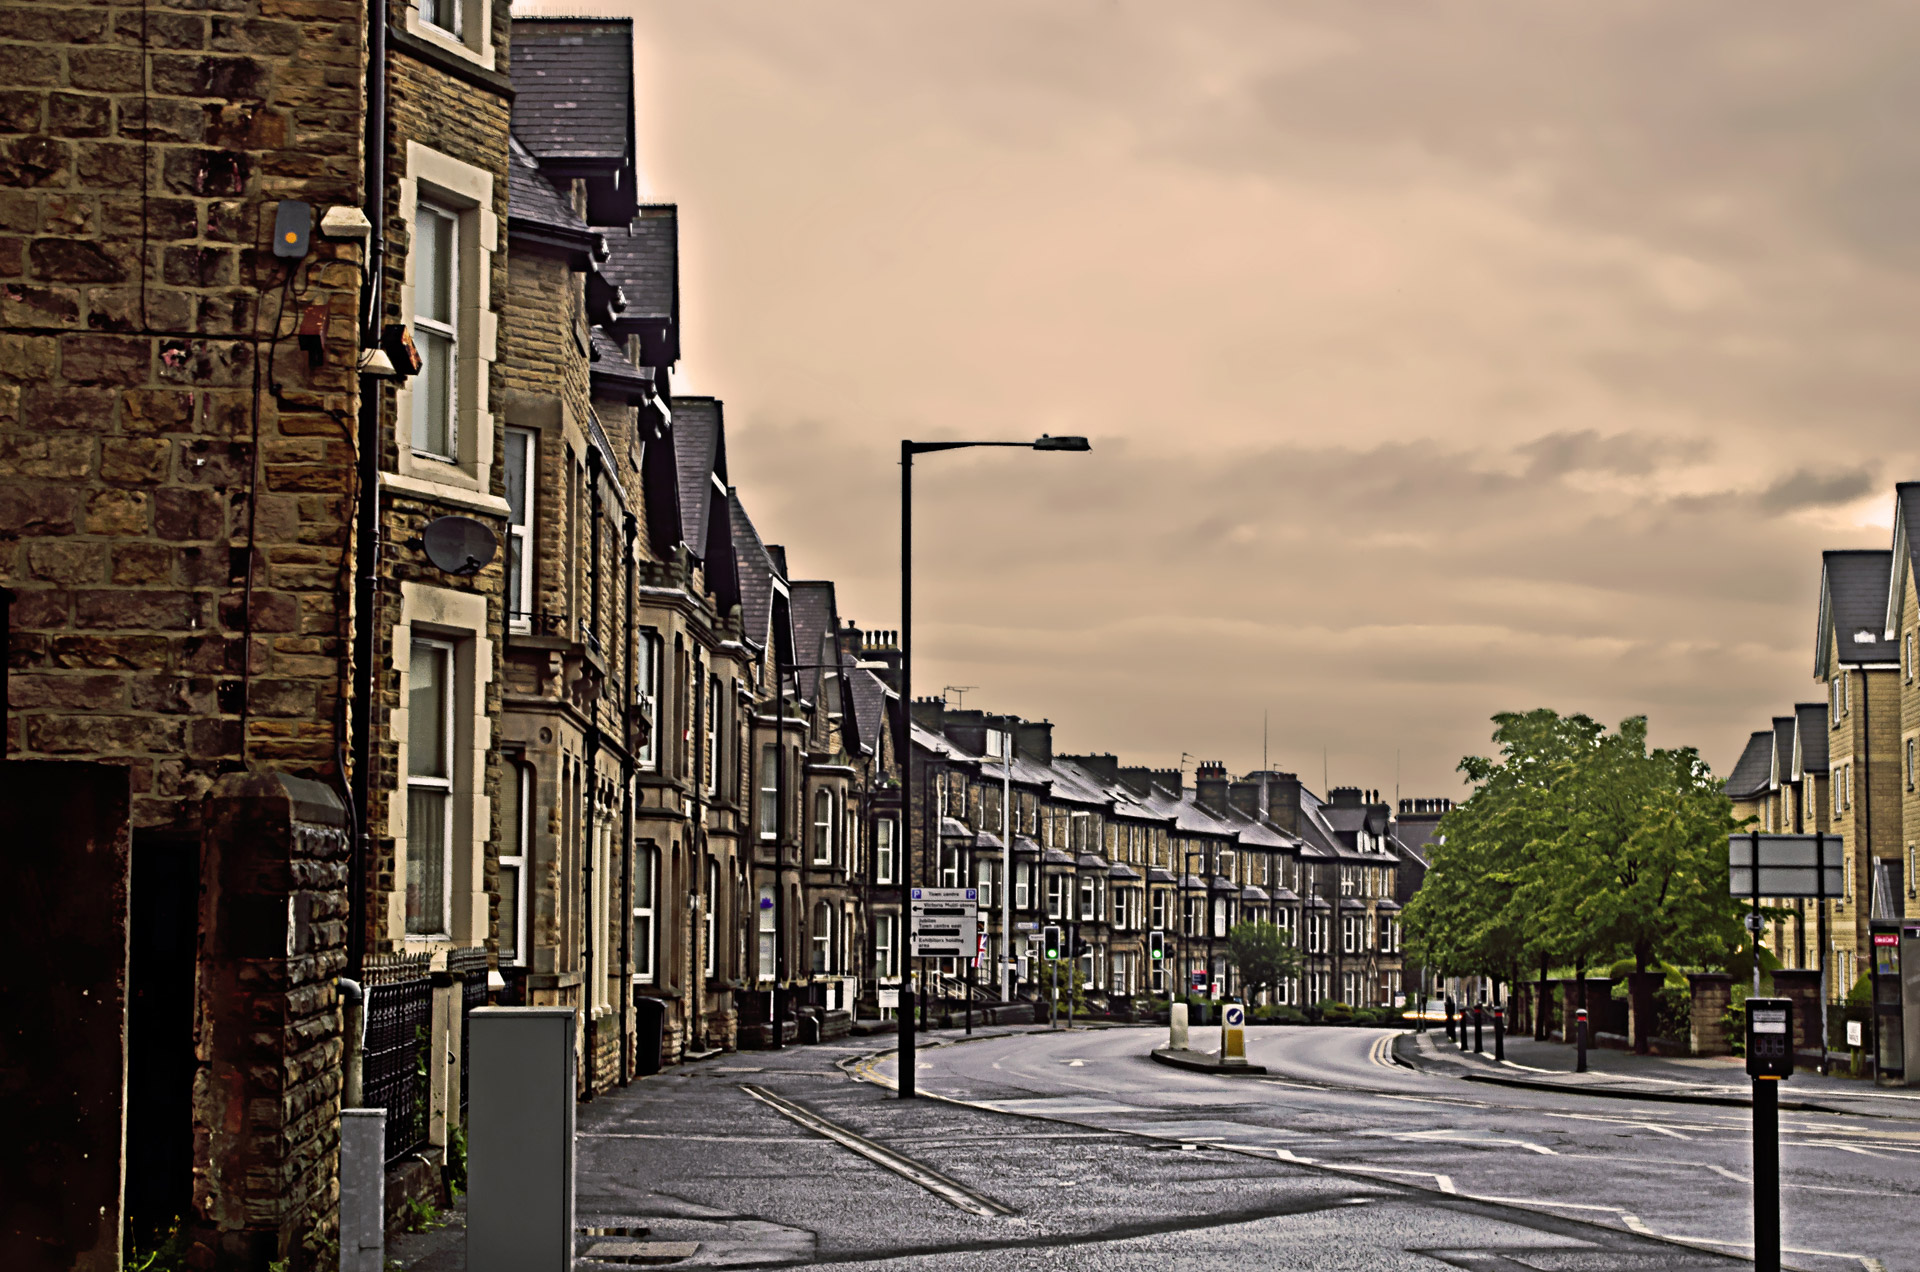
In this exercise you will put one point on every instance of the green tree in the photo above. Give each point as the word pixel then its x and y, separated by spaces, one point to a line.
pixel 1579 845
pixel 1264 955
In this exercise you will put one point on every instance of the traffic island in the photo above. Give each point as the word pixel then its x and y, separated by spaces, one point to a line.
pixel 1205 1061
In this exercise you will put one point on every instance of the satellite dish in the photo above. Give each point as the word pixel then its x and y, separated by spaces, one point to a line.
pixel 458 545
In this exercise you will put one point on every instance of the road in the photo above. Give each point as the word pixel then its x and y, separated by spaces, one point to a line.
pixel 1335 1101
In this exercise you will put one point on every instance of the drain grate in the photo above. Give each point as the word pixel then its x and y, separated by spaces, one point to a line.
pixel 641 1253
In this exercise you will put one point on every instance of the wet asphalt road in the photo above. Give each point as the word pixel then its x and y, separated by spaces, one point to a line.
pixel 1075 1151
pixel 1335 1099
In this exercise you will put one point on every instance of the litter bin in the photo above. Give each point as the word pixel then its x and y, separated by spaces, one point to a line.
pixel 649 1032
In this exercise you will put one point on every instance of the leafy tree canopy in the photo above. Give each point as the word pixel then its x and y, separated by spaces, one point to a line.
pixel 1263 954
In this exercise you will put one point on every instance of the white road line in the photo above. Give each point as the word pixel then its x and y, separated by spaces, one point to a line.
pixel 1722 1170
pixel 1623 1121
pixel 948 1190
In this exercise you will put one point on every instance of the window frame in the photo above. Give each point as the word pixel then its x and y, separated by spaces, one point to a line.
pixel 822 847
pixel 447 329
pixel 884 852
pixel 520 774
pixel 520 540
pixel 646 896
pixel 448 654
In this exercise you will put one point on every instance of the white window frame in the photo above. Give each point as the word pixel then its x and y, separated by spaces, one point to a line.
pixel 769 791
pixel 709 908
pixel 646 696
pixel 471 36
pixel 1088 900
pixel 519 838
pixel 452 185
pixel 447 329
pixel 715 708
pixel 447 655
pixel 1022 884
pixel 822 848
pixel 767 930
pixel 646 926
pixel 886 967
pixel 822 938
pixel 1057 896
pixel 520 542
pixel 883 850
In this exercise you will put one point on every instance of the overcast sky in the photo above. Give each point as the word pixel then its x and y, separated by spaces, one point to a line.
pixel 1438 359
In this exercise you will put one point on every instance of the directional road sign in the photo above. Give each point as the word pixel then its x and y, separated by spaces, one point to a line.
pixel 944 922
pixel 1790 865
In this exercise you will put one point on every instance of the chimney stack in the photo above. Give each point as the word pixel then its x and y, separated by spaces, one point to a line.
pixel 1210 786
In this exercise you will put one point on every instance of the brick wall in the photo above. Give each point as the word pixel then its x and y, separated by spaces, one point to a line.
pixel 144 350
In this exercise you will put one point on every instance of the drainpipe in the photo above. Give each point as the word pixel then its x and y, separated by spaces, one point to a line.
pixel 367 530
pixel 626 865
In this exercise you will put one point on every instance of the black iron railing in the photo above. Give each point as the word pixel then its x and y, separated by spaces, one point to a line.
pixel 394 1064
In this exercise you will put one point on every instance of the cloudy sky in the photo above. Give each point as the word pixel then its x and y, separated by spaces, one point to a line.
pixel 1438 359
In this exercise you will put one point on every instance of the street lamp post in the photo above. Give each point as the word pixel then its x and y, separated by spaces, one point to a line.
pixel 908 449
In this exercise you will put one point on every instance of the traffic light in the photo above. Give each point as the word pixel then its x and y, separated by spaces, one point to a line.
pixel 1157 946
pixel 1081 945
pixel 1050 942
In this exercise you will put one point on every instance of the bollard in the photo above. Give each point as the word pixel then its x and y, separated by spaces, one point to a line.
pixel 1177 1026
pixel 1233 1034
pixel 1580 1036
pixel 1499 1032
pixel 363 1190
pixel 1479 1019
pixel 1449 1017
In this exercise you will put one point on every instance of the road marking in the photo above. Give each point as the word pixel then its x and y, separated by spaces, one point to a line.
pixel 1449 1135
pixel 1076 1064
pixel 1624 1121
pixel 1381 1052
pixel 1722 1170
pixel 701 1139
pixel 949 1190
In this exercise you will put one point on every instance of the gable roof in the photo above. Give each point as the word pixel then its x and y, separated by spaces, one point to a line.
pixel 1906 552
pixel 644 258
pixel 533 203
pixel 757 581
pixel 573 87
pixel 1755 765
pixel 1853 609
pixel 872 703
pixel 1809 738
pixel 613 373
pixel 816 628
pixel 700 454
pixel 1780 763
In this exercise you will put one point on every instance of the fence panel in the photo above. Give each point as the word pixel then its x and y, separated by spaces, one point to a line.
pixel 394 1064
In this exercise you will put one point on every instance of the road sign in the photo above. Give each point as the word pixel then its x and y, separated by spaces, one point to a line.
pixel 946 894
pixel 1199 980
pixel 1856 1033
pixel 1236 1015
pixel 945 922
pixel 1790 865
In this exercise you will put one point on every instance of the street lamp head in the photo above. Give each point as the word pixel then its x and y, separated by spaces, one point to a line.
pixel 1049 442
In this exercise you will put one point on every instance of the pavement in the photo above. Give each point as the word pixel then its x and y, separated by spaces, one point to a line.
pixel 1710 1080
pixel 1074 1150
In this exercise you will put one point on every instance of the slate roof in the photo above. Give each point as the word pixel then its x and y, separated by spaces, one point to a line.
pixel 871 699
pixel 816 624
pixel 756 572
pixel 1853 603
pixel 697 446
pixel 1749 777
pixel 1810 738
pixel 644 259
pixel 532 198
pixel 573 87
pixel 612 370
pixel 1781 767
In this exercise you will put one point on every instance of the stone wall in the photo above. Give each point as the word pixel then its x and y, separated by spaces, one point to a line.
pixel 157 413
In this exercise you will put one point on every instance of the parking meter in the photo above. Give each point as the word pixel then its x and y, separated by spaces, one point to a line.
pixel 1769 1037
